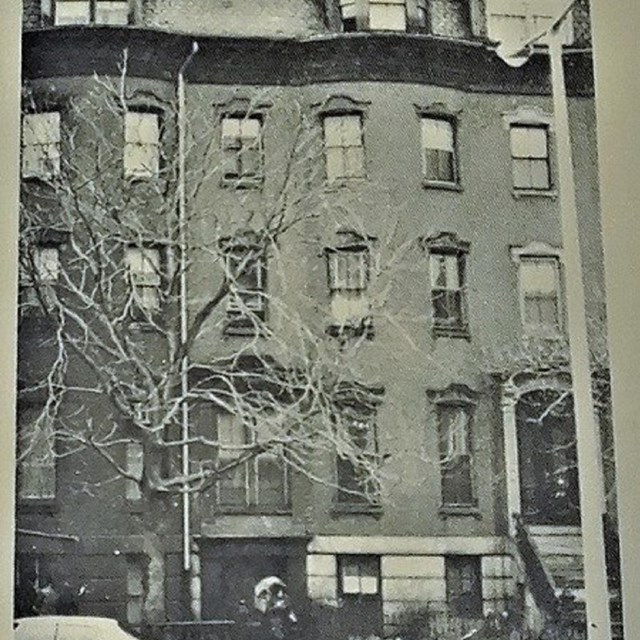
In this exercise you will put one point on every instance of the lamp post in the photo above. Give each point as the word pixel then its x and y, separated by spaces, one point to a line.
pixel 592 502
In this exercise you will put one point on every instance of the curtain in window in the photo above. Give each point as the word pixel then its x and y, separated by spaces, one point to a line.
pixel 455 455
pixel 539 282
pixel 439 150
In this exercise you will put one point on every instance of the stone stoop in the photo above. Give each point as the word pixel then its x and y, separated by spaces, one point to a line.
pixel 560 550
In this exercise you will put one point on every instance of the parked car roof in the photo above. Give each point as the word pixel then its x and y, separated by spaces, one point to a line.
pixel 69 628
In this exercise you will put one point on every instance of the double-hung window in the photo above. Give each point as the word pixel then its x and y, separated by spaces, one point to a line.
pixel 242 146
pixel 448 291
pixel 387 15
pixel 249 480
pixel 540 293
pixel 348 282
pixel 439 160
pixel 356 461
pixel 77 12
pixel 530 157
pixel 141 144
pixel 246 274
pixel 41 145
pixel 344 147
pixel 144 274
pixel 381 15
pixel 454 430
pixel 518 21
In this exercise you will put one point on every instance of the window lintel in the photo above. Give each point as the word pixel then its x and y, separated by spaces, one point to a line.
pixel 536 249
pixel 243 107
pixel 445 242
pixel 340 105
pixel 533 116
pixel 455 394
pixel 437 110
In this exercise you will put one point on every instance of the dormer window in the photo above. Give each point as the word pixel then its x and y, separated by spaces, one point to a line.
pixel 77 12
pixel 383 15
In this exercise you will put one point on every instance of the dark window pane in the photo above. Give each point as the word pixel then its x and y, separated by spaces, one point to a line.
pixel 464 586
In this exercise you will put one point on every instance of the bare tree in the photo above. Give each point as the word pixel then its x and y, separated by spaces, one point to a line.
pixel 117 356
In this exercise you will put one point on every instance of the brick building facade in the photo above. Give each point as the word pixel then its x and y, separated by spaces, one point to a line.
pixel 435 265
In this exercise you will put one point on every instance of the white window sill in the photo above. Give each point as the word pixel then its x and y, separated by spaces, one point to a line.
pixel 534 193
pixel 444 186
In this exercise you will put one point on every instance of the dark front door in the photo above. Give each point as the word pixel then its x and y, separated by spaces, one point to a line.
pixel 232 568
pixel 359 590
pixel 549 491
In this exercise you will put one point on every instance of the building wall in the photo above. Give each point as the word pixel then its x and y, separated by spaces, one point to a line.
pixel 410 535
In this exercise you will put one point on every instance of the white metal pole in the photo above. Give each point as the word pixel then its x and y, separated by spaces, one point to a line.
pixel 592 504
pixel 184 364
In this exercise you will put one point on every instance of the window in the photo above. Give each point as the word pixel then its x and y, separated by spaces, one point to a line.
pixel 381 15
pixel 41 145
pixel 246 271
pixel 142 144
pixel 454 430
pixel 539 293
pixel 344 147
pixel 348 281
pixel 39 277
pixel 530 157
pixel 438 148
pixel 463 576
pixel 517 21
pixel 36 455
pixel 359 575
pixel 387 15
pixel 356 463
pixel 135 589
pixel 242 145
pixel 259 483
pixel 70 12
pixel 448 266
pixel 135 462
pixel 143 273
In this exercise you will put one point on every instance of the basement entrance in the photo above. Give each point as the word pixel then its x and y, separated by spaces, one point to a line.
pixel 232 567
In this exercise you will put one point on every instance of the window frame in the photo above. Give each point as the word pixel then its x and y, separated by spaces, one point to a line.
pixel 343 179
pixel 243 319
pixel 350 412
pixel 448 246
pixel 251 474
pixel 451 121
pixel 50 13
pixel 525 10
pixel 242 180
pixel 540 251
pixel 529 158
pixel 51 174
pixel 23 466
pixel 533 117
pixel 141 312
pixel 359 559
pixel 455 564
pixel 135 174
pixel 36 289
pixel 345 295
pixel 355 15
pixel 456 396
